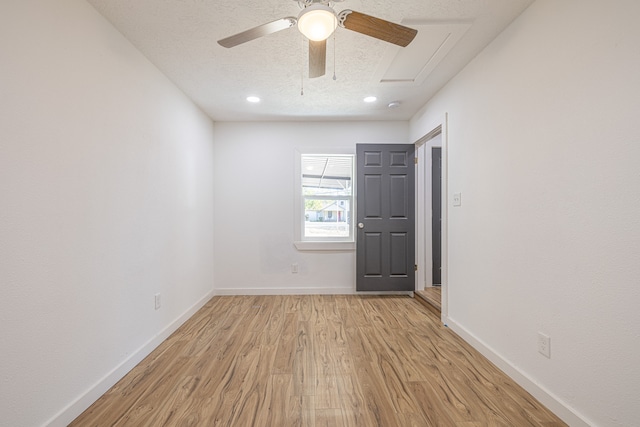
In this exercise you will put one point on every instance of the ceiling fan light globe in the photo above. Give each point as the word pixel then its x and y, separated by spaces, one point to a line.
pixel 317 22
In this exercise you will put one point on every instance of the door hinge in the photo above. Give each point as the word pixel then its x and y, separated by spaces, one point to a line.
pixel 415 160
pixel 415 267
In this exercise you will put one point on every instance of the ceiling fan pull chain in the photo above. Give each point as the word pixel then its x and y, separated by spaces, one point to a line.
pixel 302 70
pixel 334 56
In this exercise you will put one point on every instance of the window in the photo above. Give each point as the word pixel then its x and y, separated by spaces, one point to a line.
pixel 324 201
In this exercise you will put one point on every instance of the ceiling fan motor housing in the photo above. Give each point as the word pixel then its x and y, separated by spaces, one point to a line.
pixel 317 22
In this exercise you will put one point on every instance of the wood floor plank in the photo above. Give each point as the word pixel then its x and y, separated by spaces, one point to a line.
pixel 279 389
pixel 301 411
pixel 316 360
pixel 380 315
pixel 434 410
pixel 272 329
pixel 330 418
pixel 304 372
pixel 342 301
pixel 352 402
pixel 327 392
pixel 264 309
pixel 286 348
pixel 377 398
pixel 326 362
pixel 357 313
pixel 357 342
pixel 386 343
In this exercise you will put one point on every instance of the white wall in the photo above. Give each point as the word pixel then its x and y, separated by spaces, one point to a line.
pixel 544 145
pixel 105 200
pixel 254 188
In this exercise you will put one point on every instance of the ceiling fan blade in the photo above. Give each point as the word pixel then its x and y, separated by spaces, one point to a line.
pixel 259 31
pixel 378 28
pixel 317 58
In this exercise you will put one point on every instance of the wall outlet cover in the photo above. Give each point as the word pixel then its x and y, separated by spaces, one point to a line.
pixel 544 345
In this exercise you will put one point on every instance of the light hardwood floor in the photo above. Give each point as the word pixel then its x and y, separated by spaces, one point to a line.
pixel 315 361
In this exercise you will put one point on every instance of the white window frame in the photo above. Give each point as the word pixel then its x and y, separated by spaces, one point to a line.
pixel 324 244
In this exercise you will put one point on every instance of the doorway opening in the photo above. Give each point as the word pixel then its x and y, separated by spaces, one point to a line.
pixel 436 215
pixel 431 219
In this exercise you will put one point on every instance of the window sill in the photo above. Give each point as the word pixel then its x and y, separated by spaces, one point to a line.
pixel 325 246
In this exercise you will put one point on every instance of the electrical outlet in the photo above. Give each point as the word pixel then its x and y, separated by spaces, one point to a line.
pixel 157 301
pixel 457 199
pixel 544 345
pixel 294 268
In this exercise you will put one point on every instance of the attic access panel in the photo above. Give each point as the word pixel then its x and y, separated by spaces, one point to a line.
pixel 413 64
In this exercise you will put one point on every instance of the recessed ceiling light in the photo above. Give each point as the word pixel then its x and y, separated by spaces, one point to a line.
pixel 394 104
pixel 253 99
pixel 370 99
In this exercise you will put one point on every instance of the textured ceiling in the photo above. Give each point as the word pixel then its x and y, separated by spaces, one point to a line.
pixel 179 37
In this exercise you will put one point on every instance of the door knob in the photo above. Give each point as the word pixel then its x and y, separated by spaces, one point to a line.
pixel 360 225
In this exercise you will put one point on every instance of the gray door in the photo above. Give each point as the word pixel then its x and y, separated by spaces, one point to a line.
pixel 436 213
pixel 385 254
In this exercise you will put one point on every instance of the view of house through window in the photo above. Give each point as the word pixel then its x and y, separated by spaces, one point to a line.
pixel 327 193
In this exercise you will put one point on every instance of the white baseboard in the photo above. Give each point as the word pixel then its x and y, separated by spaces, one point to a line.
pixel 71 412
pixel 304 291
pixel 285 291
pixel 548 399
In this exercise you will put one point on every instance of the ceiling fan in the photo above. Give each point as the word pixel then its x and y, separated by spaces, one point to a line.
pixel 317 21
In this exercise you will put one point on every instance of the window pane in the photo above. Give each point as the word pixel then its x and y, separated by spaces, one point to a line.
pixel 327 191
pixel 326 175
pixel 326 218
